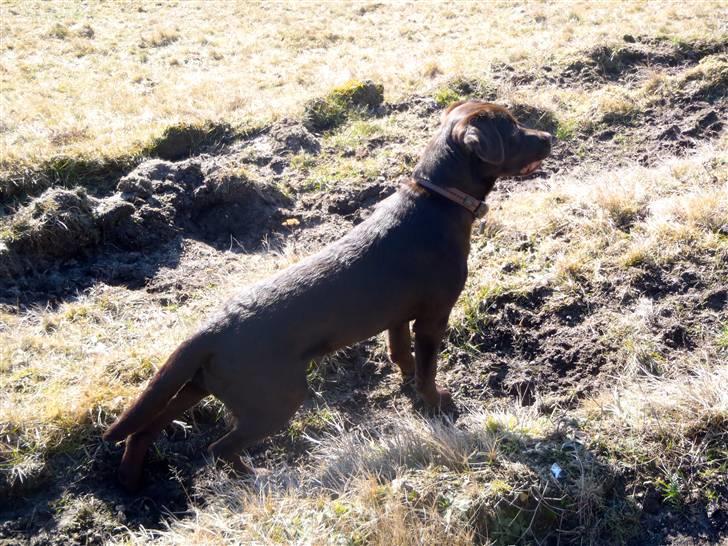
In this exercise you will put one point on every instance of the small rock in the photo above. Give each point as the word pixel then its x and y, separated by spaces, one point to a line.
pixel 606 135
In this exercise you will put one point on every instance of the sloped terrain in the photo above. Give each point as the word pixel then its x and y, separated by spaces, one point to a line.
pixel 592 333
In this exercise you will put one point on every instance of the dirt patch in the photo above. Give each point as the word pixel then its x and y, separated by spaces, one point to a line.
pixel 155 204
pixel 623 61
pixel 533 346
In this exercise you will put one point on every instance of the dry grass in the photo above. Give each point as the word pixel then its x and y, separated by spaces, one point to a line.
pixel 64 372
pixel 422 482
pixel 430 482
pixel 102 79
pixel 582 229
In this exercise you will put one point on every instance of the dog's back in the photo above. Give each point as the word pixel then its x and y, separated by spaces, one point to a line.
pixel 381 273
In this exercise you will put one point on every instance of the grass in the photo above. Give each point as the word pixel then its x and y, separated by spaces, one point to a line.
pixel 73 85
pixel 429 481
pixel 593 228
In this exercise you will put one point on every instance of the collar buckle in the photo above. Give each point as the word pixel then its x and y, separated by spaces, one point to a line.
pixel 481 210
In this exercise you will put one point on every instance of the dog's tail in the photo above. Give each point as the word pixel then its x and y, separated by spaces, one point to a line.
pixel 178 370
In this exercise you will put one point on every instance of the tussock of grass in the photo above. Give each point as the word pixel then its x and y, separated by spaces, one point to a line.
pixel 353 98
pixel 419 482
pixel 677 428
pixel 185 139
pixel 59 223
pixel 709 78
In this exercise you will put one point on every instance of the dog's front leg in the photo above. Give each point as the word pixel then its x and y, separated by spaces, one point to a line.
pixel 400 349
pixel 428 336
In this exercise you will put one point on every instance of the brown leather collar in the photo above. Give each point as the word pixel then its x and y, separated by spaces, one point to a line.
pixel 478 208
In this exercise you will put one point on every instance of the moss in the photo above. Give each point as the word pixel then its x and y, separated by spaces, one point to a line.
pixel 185 139
pixel 343 102
pixel 446 96
pixel 461 87
pixel 722 340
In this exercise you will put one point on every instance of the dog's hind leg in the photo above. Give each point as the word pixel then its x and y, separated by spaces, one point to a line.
pixel 137 444
pixel 261 415
pixel 400 349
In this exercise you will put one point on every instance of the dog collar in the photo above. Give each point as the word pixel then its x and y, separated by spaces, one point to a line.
pixel 478 208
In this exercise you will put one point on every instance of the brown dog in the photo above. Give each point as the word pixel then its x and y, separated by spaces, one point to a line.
pixel 407 261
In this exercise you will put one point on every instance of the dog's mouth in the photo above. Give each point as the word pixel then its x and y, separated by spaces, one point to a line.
pixel 530 168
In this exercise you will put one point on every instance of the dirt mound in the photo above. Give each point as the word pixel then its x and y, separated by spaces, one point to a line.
pixel 291 136
pixel 615 61
pixel 196 196
pixel 152 205
pixel 59 223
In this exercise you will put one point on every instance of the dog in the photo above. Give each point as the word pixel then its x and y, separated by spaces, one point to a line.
pixel 406 262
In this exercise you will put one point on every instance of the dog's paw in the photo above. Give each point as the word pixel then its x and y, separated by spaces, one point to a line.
pixel 440 400
pixel 445 402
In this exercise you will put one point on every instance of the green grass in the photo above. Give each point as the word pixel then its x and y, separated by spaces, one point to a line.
pixel 722 340
pixel 349 100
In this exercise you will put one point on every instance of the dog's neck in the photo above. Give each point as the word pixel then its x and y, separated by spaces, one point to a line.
pixel 450 177
pixel 476 207
pixel 445 165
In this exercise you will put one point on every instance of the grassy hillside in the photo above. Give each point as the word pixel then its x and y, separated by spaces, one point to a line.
pixel 102 79
pixel 155 159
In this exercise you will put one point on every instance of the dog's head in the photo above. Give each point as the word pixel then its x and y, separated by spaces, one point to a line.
pixel 493 141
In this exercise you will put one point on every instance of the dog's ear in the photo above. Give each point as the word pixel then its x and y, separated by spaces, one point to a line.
pixel 484 140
